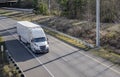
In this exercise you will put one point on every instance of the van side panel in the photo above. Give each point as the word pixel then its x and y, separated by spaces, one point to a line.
pixel 24 32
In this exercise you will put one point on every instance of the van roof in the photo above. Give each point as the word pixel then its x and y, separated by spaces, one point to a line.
pixel 28 24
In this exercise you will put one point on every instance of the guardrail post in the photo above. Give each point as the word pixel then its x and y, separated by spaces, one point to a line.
pixel 2 55
pixel 2 48
pixel 22 75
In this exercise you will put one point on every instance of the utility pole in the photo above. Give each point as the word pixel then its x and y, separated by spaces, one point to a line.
pixel 49 5
pixel 98 23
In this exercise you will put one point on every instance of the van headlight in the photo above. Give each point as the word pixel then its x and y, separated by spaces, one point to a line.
pixel 47 46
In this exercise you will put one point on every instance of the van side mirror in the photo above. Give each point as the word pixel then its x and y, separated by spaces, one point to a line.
pixel 48 42
pixel 31 40
pixel 47 39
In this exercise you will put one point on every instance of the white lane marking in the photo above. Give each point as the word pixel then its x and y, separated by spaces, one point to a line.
pixel 109 67
pixel 32 54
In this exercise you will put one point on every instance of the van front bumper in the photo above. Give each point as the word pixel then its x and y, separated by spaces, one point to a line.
pixel 42 51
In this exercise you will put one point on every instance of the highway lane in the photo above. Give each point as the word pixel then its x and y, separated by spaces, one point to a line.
pixel 62 61
pixel 21 55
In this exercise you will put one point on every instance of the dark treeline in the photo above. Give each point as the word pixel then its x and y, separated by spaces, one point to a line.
pixel 76 9
pixel 86 9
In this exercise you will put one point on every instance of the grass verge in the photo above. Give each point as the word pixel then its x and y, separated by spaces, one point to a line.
pixel 107 53
pixel 67 39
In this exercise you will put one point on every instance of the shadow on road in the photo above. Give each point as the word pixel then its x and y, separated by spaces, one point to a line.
pixel 5 31
pixel 58 58
pixel 1 17
pixel 8 29
pixel 18 51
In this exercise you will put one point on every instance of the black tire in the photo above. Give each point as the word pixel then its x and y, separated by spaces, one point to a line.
pixel 33 50
pixel 48 51
pixel 19 38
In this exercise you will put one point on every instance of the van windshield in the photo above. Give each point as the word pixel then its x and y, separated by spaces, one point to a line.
pixel 41 39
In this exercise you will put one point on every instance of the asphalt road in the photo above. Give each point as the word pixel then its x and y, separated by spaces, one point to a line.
pixel 63 60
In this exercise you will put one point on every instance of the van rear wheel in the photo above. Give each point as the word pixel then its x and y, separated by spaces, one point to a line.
pixel 19 38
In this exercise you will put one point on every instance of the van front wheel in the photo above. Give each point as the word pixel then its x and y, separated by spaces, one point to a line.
pixel 33 49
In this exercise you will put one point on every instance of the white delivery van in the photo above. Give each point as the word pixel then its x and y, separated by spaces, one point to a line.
pixel 33 36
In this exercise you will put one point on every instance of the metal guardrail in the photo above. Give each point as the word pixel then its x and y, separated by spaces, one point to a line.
pixel 10 58
pixel 79 40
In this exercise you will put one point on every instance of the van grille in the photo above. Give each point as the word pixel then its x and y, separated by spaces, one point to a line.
pixel 43 47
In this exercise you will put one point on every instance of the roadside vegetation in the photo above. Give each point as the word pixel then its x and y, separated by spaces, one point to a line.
pixel 7 68
pixel 67 39
pixel 107 53
pixel 77 18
